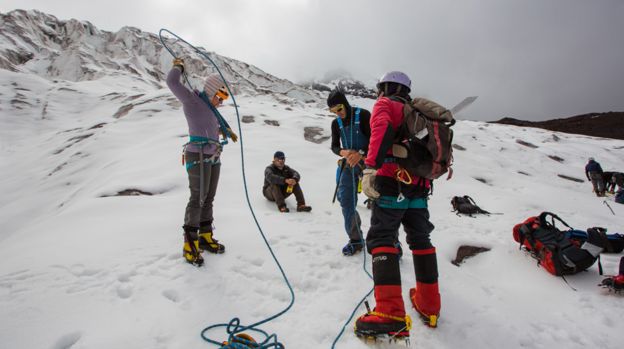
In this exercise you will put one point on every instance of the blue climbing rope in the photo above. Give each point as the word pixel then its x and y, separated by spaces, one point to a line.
pixel 355 193
pixel 234 327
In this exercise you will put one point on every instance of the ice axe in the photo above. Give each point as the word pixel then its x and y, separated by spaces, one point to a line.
pixel 609 206
pixel 463 104
pixel 343 162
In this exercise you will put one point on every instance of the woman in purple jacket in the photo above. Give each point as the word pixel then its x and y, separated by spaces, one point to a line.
pixel 202 158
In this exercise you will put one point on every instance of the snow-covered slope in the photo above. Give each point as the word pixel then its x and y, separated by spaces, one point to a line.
pixel 39 43
pixel 84 268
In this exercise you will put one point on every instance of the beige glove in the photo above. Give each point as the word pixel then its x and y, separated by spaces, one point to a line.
pixel 179 62
pixel 233 135
pixel 368 183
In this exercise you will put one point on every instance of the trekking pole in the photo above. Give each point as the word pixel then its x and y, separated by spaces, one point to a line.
pixel 609 206
pixel 342 165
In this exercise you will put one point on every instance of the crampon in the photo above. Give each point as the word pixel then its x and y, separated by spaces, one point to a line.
pixel 394 332
pixel 383 338
pixel 613 283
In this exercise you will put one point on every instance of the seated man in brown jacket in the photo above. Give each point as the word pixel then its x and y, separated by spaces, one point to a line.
pixel 280 181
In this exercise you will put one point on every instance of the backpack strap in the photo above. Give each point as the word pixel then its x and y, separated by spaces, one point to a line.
pixel 526 234
pixel 479 209
pixel 469 199
pixel 543 221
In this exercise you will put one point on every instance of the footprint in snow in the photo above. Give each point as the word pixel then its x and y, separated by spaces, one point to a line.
pixel 67 341
pixel 171 295
pixel 125 290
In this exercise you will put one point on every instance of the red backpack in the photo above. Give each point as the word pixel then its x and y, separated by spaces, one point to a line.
pixel 554 250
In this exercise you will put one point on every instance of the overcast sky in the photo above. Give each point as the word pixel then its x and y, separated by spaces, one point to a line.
pixel 528 59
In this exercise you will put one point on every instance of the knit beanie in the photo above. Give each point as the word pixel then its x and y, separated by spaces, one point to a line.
pixel 337 97
pixel 213 84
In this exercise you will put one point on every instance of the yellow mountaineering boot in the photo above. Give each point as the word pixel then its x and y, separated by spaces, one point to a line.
pixel 210 244
pixel 191 251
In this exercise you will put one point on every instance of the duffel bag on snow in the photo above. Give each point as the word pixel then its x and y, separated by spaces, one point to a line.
pixel 556 252
pixel 466 205
pixel 615 242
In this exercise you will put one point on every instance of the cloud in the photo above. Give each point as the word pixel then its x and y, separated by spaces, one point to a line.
pixel 525 59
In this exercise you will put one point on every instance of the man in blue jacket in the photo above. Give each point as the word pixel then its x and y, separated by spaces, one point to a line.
pixel 350 137
pixel 593 172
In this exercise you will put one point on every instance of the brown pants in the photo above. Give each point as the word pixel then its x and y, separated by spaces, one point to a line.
pixel 278 194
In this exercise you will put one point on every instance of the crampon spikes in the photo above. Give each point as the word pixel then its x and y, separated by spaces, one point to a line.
pixel 397 338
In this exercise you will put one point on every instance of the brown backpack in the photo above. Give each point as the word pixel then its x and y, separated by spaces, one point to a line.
pixel 424 143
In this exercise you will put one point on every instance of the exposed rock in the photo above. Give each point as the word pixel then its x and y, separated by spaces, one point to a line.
pixel 100 125
pixel 482 180
pixel 314 134
pixel 272 122
pixel 80 138
pixel 608 125
pixel 123 111
pixel 248 119
pixel 526 144
pixel 523 173
pixel 556 158
pixel 458 147
pixel 467 251
pixel 130 192
pixel 573 179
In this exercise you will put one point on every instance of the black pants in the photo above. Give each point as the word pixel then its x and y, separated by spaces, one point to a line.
pixel 385 222
pixel 278 194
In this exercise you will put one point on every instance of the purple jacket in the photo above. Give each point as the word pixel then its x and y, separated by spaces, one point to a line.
pixel 200 119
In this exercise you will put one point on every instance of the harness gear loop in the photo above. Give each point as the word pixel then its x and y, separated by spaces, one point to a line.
pixel 201 142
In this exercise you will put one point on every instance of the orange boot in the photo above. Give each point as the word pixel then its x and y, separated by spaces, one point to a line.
pixel 388 318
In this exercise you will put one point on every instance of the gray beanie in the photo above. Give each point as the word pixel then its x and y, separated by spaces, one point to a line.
pixel 213 84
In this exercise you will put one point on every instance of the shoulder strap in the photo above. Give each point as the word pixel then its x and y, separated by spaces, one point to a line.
pixel 343 136
pixel 470 200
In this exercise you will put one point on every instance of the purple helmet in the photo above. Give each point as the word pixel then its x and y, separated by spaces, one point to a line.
pixel 397 77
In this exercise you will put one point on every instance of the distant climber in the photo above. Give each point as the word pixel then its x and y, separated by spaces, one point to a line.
pixel 616 179
pixel 593 172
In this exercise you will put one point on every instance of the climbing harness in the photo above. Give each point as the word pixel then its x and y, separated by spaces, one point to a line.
pixel 201 142
pixel 236 338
